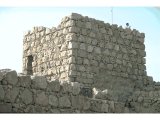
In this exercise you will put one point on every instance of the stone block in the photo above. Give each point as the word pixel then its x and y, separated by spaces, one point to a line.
pixel 110 66
pixel 53 100
pixel 66 87
pixel 12 94
pixel 94 42
pixel 88 25
pixel 97 50
pixel 104 108
pixel 27 96
pixel 24 81
pixel 90 48
pixel 75 16
pixel 53 85
pixel 2 93
pixel 111 106
pixel 39 82
pixel 11 77
pixel 82 46
pixel 73 29
pixel 64 102
pixel 82 53
pixel 41 99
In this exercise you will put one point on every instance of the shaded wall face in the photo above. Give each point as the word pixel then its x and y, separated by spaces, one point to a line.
pixel 104 51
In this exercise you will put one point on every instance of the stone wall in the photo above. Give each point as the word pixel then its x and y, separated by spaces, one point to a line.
pixel 49 49
pixel 35 94
pixel 88 51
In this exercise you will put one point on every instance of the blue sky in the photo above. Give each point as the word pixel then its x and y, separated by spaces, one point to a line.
pixel 15 21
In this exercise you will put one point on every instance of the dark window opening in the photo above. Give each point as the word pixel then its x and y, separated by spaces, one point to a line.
pixel 29 65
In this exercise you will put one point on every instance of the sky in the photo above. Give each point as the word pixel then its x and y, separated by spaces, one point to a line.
pixel 14 21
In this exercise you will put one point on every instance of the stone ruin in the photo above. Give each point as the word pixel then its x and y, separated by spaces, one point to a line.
pixel 84 65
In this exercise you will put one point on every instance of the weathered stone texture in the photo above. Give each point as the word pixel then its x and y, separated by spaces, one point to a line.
pixel 53 100
pixel 11 77
pixel 64 102
pixel 82 66
pixel 42 99
pixel 39 82
pixel 27 96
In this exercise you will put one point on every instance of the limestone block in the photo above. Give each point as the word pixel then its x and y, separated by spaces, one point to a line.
pixel 64 102
pixel 81 38
pixel 27 96
pixel 86 61
pixel 90 48
pixel 142 53
pixel 24 81
pixel 75 88
pixel 11 77
pixel 73 29
pixel 81 68
pixel 66 86
pixel 110 66
pixel 102 30
pixel 82 46
pixel 94 42
pixel 97 50
pixel 116 47
pixel 92 35
pixel 104 108
pixel 53 85
pixel 88 25
pixel 75 16
pixel 2 93
pixel 63 75
pixel 42 99
pixel 53 100
pixel 48 31
pixel 49 72
pixel 12 94
pixel 110 32
pixel 106 52
pixel 82 53
pixel 39 82
pixel 70 23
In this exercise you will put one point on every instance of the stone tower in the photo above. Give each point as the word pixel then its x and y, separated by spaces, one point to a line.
pixel 87 51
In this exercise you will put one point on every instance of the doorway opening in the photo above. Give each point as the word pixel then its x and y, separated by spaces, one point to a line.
pixel 29 65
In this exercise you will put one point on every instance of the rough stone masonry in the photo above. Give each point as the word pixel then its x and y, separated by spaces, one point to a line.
pixel 84 65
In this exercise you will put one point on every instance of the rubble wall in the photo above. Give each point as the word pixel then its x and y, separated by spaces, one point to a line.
pixel 35 94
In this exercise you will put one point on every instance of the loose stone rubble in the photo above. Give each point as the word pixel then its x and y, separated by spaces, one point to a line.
pixel 84 65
